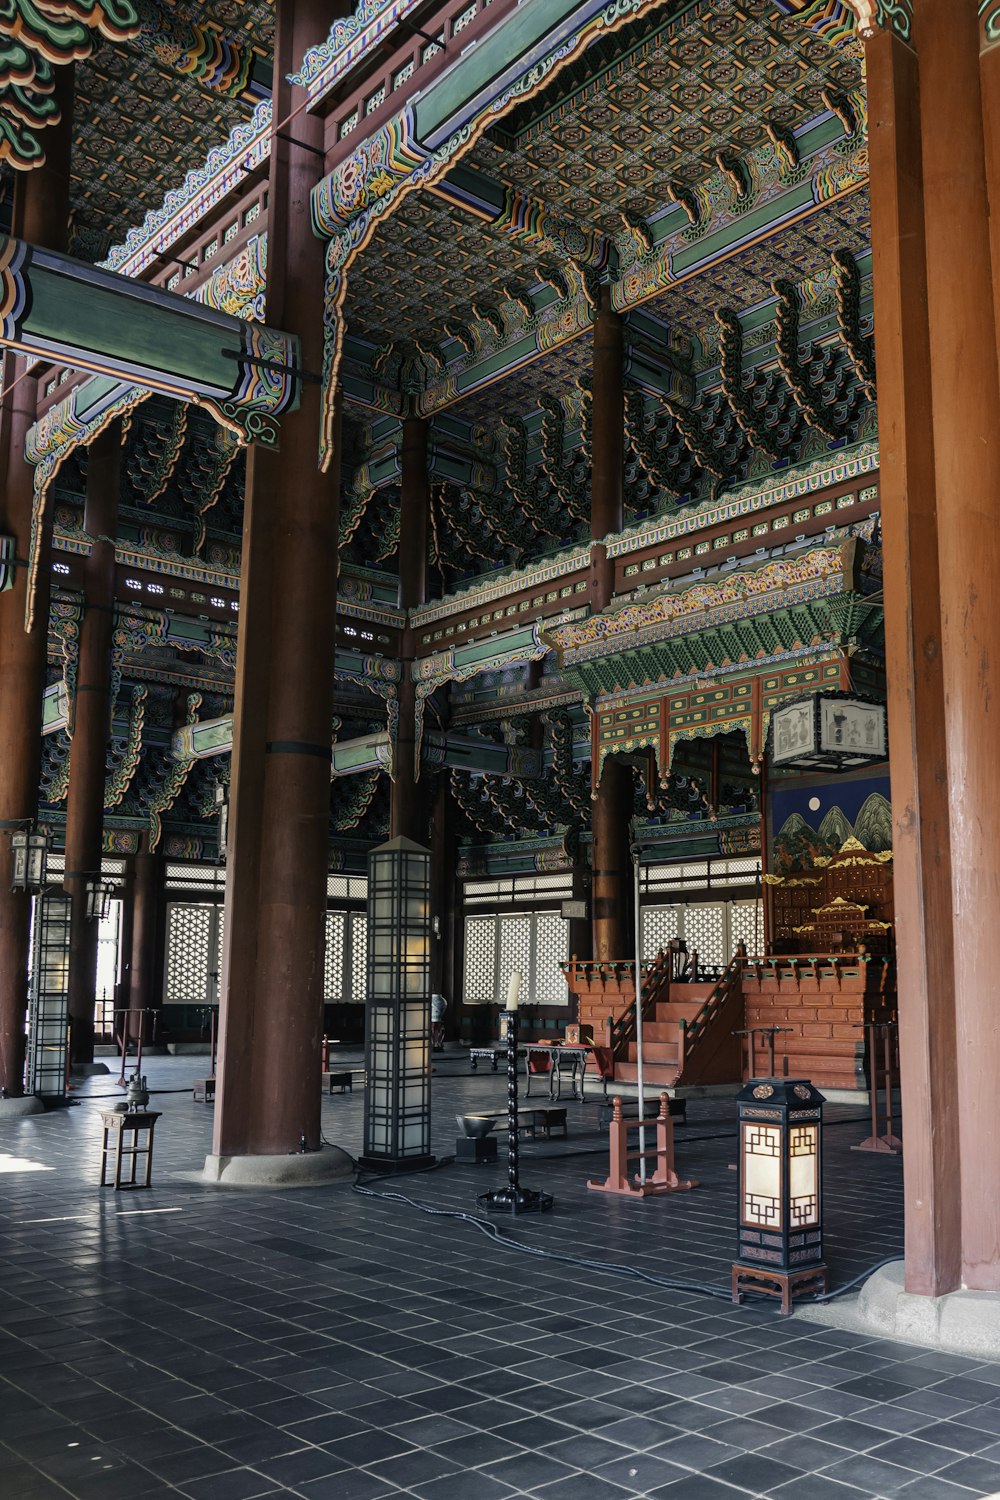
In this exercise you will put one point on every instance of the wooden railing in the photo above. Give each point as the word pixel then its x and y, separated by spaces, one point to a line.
pixel 726 994
pixel 621 1030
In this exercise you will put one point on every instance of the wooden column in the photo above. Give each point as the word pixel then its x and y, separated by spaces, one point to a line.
pixel 607 453
pixel 145 978
pixel 445 890
pixel 966 413
pixel 408 813
pixel 611 884
pixel 41 212
pixel 939 416
pixel 91 731
pixel 268 1092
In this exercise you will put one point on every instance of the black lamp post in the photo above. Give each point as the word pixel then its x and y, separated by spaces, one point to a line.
pixel 514 1198
pixel 780 1235
pixel 397 1010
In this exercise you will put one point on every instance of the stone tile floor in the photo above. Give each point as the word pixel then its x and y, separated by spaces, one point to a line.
pixel 225 1345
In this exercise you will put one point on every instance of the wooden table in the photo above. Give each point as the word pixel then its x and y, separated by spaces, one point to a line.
pixel 123 1131
pixel 561 1057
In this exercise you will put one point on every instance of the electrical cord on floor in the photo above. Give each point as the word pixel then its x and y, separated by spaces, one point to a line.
pixel 497 1234
pixel 494 1232
pixel 864 1275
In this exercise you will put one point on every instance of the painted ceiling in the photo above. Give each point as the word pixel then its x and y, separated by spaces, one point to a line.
pixel 149 110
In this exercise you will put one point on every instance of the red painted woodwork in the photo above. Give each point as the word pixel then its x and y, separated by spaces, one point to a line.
pixel 824 1000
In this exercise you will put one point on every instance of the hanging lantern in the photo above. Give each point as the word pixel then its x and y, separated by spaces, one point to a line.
pixel 99 895
pixel 780 1229
pixel 30 854
pixel 827 731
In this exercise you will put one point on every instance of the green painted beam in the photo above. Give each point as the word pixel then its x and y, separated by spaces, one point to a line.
pixel 133 335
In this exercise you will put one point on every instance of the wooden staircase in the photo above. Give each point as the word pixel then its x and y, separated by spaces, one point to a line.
pixel 687 1027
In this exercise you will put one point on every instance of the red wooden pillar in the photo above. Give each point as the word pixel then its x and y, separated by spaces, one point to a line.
pixel 41 213
pixel 91 727
pixel 612 808
pixel 145 979
pixel 268 1093
pixel 939 417
pixel 408 806
pixel 965 394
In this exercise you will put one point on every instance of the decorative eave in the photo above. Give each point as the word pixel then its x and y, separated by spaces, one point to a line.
pixel 744 594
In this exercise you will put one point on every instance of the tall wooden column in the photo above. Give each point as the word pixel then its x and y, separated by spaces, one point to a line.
pixel 91 731
pixel 268 1093
pixel 408 806
pixel 611 879
pixel 445 897
pixel 939 417
pixel 145 982
pixel 966 410
pixel 41 212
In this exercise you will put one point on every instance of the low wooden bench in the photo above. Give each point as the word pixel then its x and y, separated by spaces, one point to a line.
pixel 492 1055
pixel 534 1118
pixel 203 1090
pixel 542 1117
pixel 630 1111
pixel 342 1081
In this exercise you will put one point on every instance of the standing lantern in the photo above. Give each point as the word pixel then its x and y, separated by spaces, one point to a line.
pixel 398 1009
pixel 514 1199
pixel 780 1249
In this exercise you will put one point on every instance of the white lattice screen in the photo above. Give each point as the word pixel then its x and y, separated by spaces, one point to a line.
pixel 713 928
pixel 194 952
pixel 480 960
pixel 333 956
pixel 495 946
pixel 359 956
pixel 551 949
pixel 192 946
pixel 705 930
pixel 746 925
pixel 515 953
pixel 659 925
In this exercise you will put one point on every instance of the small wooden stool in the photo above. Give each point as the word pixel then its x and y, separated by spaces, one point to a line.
pixel 343 1081
pixel 123 1136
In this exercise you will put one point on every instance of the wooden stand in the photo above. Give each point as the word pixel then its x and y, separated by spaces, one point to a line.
pixel 887 1143
pixel 784 1284
pixel 122 1138
pixel 664 1178
pixel 342 1081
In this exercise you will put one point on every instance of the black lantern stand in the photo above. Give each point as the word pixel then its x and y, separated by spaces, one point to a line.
pixel 780 1233
pixel 398 1010
pixel 514 1199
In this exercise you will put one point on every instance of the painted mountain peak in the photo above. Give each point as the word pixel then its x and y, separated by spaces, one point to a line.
pixel 798 845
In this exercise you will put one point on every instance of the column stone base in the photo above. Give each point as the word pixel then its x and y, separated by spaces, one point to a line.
pixel 964 1322
pixel 88 1069
pixel 302 1169
pixel 18 1109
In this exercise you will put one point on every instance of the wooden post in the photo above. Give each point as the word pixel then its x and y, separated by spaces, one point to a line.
pixel 41 216
pixel 939 415
pixel 271 1017
pixel 90 712
pixel 408 805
